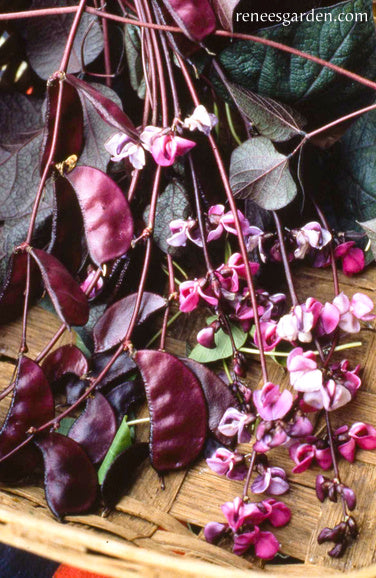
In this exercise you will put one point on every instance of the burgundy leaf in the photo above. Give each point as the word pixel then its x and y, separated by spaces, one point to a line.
pixel 95 428
pixel 32 405
pixel 107 217
pixel 121 366
pixel 177 410
pixel 195 17
pixel 69 301
pixel 67 226
pixel 217 395
pixel 70 480
pixel 106 108
pixel 112 327
pixel 121 473
pixel 125 396
pixel 224 10
pixel 70 136
pixel 65 359
pixel 13 292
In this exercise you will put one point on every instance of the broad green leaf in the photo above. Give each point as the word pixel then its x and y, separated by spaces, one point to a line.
pixel 272 119
pixel 292 79
pixel 353 173
pixel 222 348
pixel 260 173
pixel 172 204
pixel 121 441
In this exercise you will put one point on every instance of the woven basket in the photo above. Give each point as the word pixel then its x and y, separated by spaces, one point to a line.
pixel 148 535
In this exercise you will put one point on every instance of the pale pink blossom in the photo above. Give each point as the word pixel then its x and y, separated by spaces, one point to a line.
pixel 271 403
pixel 183 230
pixel 201 120
pixel 120 147
pixel 352 311
pixel 222 221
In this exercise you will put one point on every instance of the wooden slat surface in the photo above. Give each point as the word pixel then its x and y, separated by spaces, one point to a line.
pixel 154 520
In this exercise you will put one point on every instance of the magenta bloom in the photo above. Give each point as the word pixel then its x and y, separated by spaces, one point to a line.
pixel 364 435
pixel 265 543
pixel 234 422
pixel 227 463
pixel 182 231
pixel 222 221
pixel 272 481
pixel 303 455
pixel 328 319
pixel 353 260
pixel 120 147
pixel 270 403
pixel 190 293
pixel 165 147
pixel 269 335
pixel 352 311
pixel 311 235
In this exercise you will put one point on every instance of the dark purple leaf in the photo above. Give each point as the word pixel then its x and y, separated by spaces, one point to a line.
pixel 12 294
pixel 70 136
pixel 118 370
pixel 195 17
pixel 112 327
pixel 121 473
pixel 177 410
pixel 69 301
pixel 95 429
pixel 32 405
pixel 46 39
pixel 124 396
pixel 67 226
pixel 224 10
pixel 217 395
pixel 109 111
pixel 70 480
pixel 65 359
pixel 107 217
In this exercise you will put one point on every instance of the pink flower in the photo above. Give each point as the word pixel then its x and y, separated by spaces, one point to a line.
pixel 182 231
pixel 353 260
pixel 270 435
pixel 334 395
pixel 280 514
pixel 165 147
pixel 303 455
pixel 304 375
pixel 238 513
pixel 297 325
pixel 213 531
pixel 311 235
pixel 269 335
pixel 120 147
pixel 272 481
pixel 227 463
pixel 205 337
pixel 351 312
pixel 225 222
pixel 235 422
pixel 364 435
pixel 265 543
pixel 270 403
pixel 190 293
pixel 328 319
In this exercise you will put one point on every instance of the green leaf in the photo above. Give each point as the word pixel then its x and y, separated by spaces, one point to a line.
pixel 132 43
pixel 272 119
pixel 65 425
pixel 260 173
pixel 292 79
pixel 121 441
pixel 172 204
pixel 370 228
pixel 222 348
pixel 353 172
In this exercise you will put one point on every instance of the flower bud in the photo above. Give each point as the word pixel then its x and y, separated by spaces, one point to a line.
pixel 205 337
pixel 349 496
pixel 352 527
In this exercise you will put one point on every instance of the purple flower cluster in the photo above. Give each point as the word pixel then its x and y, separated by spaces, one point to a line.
pixel 243 523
